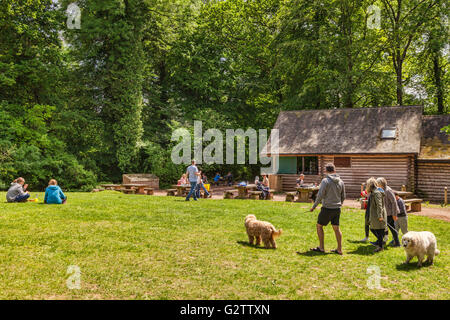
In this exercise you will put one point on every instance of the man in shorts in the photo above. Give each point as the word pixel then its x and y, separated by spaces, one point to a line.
pixel 332 195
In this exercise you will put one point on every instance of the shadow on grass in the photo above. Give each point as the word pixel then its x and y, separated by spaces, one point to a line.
pixel 355 241
pixel 411 266
pixel 246 244
pixel 310 253
pixel 367 250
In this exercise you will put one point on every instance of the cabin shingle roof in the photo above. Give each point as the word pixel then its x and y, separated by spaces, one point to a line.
pixel 349 131
pixel 435 144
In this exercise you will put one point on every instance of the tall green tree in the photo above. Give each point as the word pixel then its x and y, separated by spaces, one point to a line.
pixel 109 62
pixel 403 23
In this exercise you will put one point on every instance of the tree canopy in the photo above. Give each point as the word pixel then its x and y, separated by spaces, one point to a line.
pixel 86 105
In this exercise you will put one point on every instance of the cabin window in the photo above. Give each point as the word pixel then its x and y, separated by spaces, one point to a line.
pixel 342 162
pixel 308 165
pixel 388 133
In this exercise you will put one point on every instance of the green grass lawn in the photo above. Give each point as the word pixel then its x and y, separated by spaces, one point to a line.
pixel 144 247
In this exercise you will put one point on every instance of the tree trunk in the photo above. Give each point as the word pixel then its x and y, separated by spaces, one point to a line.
pixel 399 71
pixel 438 83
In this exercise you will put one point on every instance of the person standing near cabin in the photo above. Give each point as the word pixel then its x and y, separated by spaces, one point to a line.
pixel 366 197
pixel 192 174
pixel 17 192
pixel 377 212
pixel 391 210
pixel 402 218
pixel 332 195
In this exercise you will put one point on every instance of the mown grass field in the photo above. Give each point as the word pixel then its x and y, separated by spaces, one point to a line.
pixel 144 247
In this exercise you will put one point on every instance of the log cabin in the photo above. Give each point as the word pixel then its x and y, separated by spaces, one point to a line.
pixel 398 143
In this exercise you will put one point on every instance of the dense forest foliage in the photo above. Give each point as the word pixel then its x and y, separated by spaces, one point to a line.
pixel 87 104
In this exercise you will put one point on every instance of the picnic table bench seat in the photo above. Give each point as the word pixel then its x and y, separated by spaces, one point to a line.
pixel 290 196
pixel 254 194
pixel 127 191
pixel 416 204
pixel 149 191
pixel 171 192
pixel 229 194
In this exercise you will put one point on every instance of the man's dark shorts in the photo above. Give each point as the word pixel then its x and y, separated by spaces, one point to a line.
pixel 326 215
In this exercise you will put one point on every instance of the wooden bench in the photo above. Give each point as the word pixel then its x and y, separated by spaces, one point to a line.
pixel 270 195
pixel 416 204
pixel 290 196
pixel 171 192
pixel 127 191
pixel 148 191
pixel 254 194
pixel 229 194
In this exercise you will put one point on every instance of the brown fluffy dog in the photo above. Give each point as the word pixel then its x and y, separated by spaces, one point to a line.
pixel 261 230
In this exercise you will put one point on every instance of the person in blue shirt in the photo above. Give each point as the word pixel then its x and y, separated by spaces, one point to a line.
pixel 217 179
pixel 54 194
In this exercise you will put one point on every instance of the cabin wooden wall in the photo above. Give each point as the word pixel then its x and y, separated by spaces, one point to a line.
pixel 397 169
pixel 432 178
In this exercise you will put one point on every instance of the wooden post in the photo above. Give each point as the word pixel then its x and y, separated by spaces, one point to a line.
pixel 403 187
pixel 445 196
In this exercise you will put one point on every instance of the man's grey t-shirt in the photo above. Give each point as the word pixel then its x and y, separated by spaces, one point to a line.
pixel 192 170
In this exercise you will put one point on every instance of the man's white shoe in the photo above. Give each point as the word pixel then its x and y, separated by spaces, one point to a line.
pixel 386 238
pixel 364 240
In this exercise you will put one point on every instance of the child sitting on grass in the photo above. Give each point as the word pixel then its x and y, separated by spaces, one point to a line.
pixel 17 191
pixel 54 194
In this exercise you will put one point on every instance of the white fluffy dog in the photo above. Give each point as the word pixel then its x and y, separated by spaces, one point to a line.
pixel 420 244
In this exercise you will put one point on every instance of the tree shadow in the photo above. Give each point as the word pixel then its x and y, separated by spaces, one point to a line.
pixel 246 244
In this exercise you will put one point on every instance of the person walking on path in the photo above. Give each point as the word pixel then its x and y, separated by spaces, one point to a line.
pixel 332 195
pixel 200 185
pixel 392 210
pixel 192 174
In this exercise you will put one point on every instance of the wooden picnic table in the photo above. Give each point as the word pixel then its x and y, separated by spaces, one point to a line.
pixel 243 190
pixel 403 194
pixel 303 193
pixel 181 189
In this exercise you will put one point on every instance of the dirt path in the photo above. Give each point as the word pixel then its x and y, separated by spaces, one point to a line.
pixel 435 213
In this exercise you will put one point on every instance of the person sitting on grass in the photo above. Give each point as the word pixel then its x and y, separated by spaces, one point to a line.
pixel 54 194
pixel 402 218
pixel 17 191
